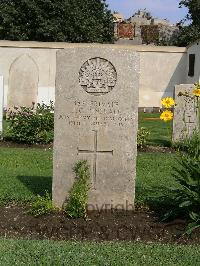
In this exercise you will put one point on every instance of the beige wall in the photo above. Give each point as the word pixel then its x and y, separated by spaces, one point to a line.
pixel 45 61
pixel 160 72
pixel 194 49
pixel 160 69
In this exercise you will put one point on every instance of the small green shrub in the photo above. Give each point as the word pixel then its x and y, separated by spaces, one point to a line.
pixel 142 136
pixel 31 124
pixel 78 196
pixel 189 145
pixel 42 205
pixel 186 195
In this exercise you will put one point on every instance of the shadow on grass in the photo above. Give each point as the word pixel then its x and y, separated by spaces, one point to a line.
pixel 38 185
pixel 160 142
pixel 160 200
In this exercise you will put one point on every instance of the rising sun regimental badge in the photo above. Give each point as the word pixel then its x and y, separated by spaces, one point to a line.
pixel 97 76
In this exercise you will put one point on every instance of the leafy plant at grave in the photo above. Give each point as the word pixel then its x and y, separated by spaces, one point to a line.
pixel 42 205
pixel 187 145
pixel 142 136
pixel 30 125
pixel 186 196
pixel 78 196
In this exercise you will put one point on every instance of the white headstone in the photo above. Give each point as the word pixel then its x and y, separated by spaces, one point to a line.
pixel 96 119
pixel 185 120
pixel 1 104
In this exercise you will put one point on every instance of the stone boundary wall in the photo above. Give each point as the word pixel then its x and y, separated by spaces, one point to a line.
pixel 60 45
pixel 161 68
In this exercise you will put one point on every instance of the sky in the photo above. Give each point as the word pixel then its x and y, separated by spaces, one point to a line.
pixel 158 8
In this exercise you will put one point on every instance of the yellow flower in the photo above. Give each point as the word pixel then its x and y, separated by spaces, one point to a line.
pixel 196 92
pixel 166 116
pixel 168 102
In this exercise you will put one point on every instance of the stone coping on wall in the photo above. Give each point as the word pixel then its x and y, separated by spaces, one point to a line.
pixel 63 45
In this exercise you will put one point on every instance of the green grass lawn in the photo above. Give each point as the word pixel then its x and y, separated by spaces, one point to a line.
pixel 14 252
pixel 154 174
pixel 160 132
pixel 25 173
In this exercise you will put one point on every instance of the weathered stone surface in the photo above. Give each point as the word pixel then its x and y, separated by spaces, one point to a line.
pixel 23 82
pixel 185 114
pixel 1 104
pixel 96 118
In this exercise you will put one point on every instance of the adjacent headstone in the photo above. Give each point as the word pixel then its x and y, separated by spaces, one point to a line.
pixel 1 104
pixel 96 119
pixel 185 120
pixel 23 82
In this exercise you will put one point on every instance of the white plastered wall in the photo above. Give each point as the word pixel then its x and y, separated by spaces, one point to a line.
pixel 45 60
pixel 160 72
pixel 160 68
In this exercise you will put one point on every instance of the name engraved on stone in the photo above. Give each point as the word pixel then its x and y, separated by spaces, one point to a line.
pixel 97 76
pixel 189 109
pixel 92 120
pixel 95 152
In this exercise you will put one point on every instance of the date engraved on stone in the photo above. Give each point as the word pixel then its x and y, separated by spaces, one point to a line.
pixel 97 76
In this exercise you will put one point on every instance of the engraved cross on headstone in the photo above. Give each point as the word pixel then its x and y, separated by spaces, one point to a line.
pixel 95 152
pixel 190 124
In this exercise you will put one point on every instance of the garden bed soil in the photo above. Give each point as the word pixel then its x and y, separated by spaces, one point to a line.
pixel 156 149
pixel 138 226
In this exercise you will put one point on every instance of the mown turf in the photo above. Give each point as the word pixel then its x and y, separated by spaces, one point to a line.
pixel 154 175
pixel 160 132
pixel 24 173
pixel 23 252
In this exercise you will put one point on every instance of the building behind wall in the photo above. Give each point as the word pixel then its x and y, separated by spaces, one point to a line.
pixel 156 31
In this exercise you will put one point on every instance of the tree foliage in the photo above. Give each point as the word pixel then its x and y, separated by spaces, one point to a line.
pixel 190 33
pixel 187 35
pixel 194 9
pixel 56 20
